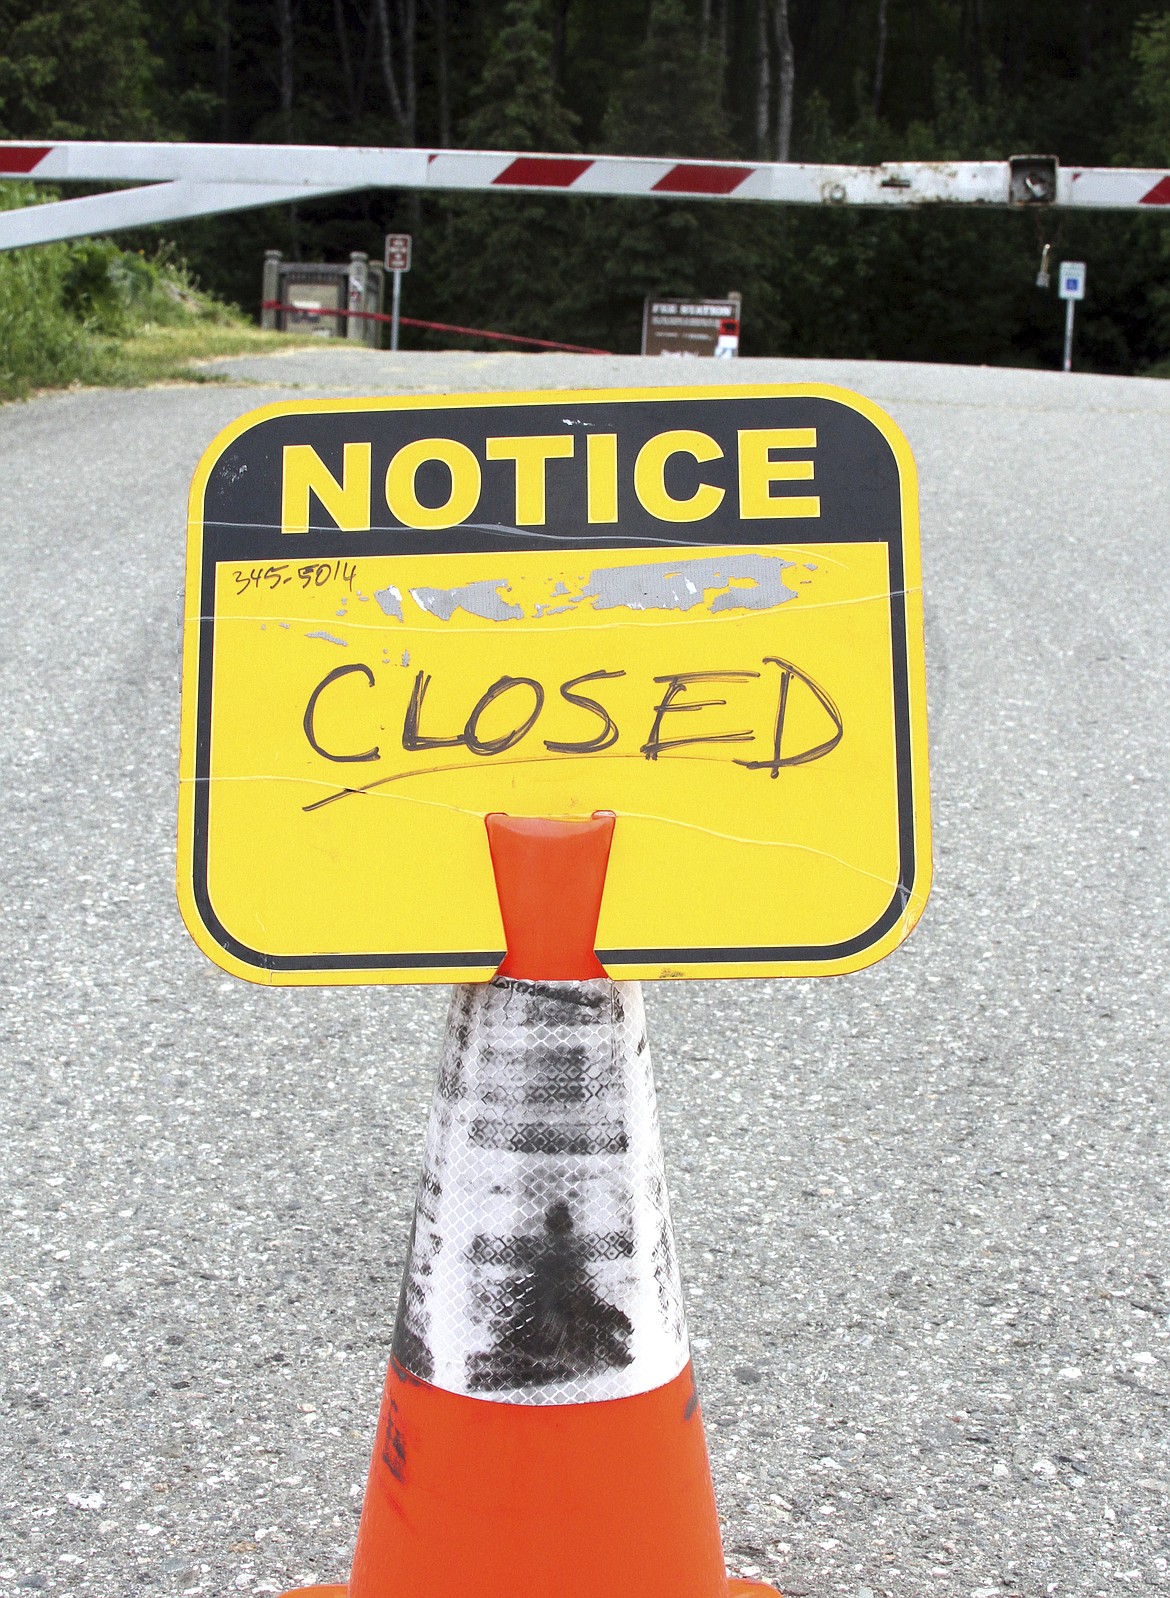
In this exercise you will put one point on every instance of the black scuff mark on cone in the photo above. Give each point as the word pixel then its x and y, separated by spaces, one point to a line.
pixel 692 1405
pixel 665 1276
pixel 551 1099
pixel 545 1139
pixel 393 1443
pixel 451 1085
pixel 410 1347
pixel 523 1253
pixel 460 1025
pixel 554 1004
pixel 547 1323
pixel 554 1074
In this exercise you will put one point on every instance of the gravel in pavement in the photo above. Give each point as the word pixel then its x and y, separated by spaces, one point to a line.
pixel 921 1211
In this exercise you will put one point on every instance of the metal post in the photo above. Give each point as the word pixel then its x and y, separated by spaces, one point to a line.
pixel 359 267
pixel 1070 306
pixel 270 291
pixel 395 304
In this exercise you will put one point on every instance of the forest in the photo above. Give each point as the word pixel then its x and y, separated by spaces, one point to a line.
pixel 825 80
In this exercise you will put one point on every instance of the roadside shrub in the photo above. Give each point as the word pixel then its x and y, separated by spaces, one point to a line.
pixel 41 344
pixel 65 309
pixel 92 292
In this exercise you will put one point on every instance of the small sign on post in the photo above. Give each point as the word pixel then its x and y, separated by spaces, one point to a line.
pixel 397 260
pixel 1072 289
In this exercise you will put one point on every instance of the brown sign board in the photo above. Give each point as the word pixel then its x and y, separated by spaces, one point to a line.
pixel 397 252
pixel 672 326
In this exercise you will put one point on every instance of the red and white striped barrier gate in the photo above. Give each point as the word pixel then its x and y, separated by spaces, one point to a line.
pixel 175 181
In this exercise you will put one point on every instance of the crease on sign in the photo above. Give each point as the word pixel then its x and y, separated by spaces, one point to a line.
pixel 713 584
pixel 526 535
pixel 878 596
pixel 626 815
pixel 725 618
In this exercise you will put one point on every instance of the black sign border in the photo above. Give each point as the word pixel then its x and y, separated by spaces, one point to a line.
pixel 368 544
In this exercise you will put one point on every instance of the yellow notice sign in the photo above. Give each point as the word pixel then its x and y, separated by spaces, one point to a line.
pixel 697 608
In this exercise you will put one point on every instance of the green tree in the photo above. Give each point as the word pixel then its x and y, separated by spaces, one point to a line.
pixel 903 80
pixel 669 102
pixel 1150 136
pixel 511 262
pixel 1147 139
pixel 75 69
pixel 517 104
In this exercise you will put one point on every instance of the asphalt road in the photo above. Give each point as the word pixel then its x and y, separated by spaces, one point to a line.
pixel 921 1211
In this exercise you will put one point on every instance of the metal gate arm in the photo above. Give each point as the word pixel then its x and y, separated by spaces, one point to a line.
pixel 155 202
pixel 202 178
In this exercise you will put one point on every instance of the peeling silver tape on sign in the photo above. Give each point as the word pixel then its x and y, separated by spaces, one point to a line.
pixel 542 1267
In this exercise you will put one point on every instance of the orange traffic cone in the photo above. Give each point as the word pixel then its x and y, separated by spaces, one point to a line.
pixel 540 1434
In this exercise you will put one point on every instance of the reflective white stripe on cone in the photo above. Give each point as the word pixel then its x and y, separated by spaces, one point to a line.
pixel 542 1267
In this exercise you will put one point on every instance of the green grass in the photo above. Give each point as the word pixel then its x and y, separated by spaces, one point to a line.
pixel 88 313
pixel 153 354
